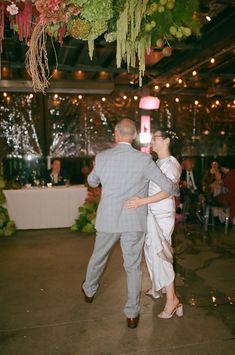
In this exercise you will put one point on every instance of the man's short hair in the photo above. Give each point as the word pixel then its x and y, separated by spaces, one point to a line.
pixel 55 159
pixel 126 128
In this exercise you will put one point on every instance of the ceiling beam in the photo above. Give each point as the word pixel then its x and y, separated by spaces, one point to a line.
pixel 67 87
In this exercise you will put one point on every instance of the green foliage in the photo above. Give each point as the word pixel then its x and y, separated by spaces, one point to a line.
pixel 77 3
pixel 7 227
pixel 181 16
pixel 97 10
pixel 2 198
pixel 2 182
pixel 87 213
pixel 3 219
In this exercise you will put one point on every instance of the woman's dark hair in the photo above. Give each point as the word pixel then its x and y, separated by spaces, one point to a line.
pixel 167 133
pixel 226 163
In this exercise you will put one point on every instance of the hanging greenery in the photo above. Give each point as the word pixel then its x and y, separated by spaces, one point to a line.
pixel 135 25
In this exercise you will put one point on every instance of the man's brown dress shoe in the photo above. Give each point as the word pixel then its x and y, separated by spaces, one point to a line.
pixel 87 298
pixel 133 322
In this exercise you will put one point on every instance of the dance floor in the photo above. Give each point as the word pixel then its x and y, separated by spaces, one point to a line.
pixel 42 311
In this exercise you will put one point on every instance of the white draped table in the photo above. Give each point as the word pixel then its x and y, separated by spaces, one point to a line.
pixel 49 207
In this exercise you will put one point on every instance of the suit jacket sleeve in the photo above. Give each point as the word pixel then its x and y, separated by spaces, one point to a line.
pixel 93 178
pixel 153 173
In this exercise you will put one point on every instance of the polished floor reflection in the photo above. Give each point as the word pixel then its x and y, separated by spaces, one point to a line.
pixel 43 312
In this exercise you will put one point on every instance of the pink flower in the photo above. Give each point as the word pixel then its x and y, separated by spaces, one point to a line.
pixel 12 9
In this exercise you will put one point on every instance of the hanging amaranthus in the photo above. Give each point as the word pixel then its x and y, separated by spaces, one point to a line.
pixel 36 59
pixel 128 32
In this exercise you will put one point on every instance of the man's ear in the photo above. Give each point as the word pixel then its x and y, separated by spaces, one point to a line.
pixel 116 136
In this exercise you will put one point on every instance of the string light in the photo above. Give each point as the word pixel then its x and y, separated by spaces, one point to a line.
pixel 132 82
pixel 206 132
pixel 103 99
pixel 156 87
pixel 167 85
pixel 222 133
pixel 177 99
pixel 124 97
pixel 196 102
pixel 208 18
pixel 194 73
pixel 135 97
pixel 80 97
pixel 180 81
pixel 30 96
pixel 56 96
pixel 234 102
pixel 212 60
pixel 5 94
pixel 217 102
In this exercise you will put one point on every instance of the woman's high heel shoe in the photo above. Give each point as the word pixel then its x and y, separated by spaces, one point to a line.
pixel 178 310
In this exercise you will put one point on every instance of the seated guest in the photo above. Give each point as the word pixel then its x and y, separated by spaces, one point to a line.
pixel 87 167
pixel 209 177
pixel 55 176
pixel 217 188
pixel 189 181
pixel 228 197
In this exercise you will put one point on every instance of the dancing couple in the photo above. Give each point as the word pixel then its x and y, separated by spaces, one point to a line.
pixel 125 213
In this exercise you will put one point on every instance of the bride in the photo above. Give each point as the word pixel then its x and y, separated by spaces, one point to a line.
pixel 161 221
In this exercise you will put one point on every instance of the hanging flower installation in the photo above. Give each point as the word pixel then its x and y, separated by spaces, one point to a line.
pixel 135 25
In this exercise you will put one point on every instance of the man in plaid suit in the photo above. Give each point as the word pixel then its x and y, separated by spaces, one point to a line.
pixel 123 172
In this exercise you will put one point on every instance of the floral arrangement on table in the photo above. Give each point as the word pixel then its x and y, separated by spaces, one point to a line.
pixel 87 212
pixel 135 25
pixel 7 226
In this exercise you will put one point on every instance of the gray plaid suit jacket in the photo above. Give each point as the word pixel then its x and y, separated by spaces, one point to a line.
pixel 125 172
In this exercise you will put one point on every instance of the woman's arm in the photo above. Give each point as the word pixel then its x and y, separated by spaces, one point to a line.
pixel 136 202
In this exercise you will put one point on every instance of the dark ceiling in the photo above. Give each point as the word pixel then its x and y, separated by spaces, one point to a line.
pixel 78 74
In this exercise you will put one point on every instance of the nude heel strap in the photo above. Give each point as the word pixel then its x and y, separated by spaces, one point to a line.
pixel 179 310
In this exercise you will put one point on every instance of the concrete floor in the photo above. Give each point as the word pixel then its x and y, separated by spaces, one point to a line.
pixel 42 311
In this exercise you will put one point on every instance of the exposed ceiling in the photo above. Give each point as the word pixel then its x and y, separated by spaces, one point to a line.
pixel 78 74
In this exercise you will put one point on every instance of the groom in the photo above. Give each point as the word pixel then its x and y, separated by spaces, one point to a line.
pixel 123 172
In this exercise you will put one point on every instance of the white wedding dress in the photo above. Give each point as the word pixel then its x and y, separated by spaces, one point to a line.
pixel 161 221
